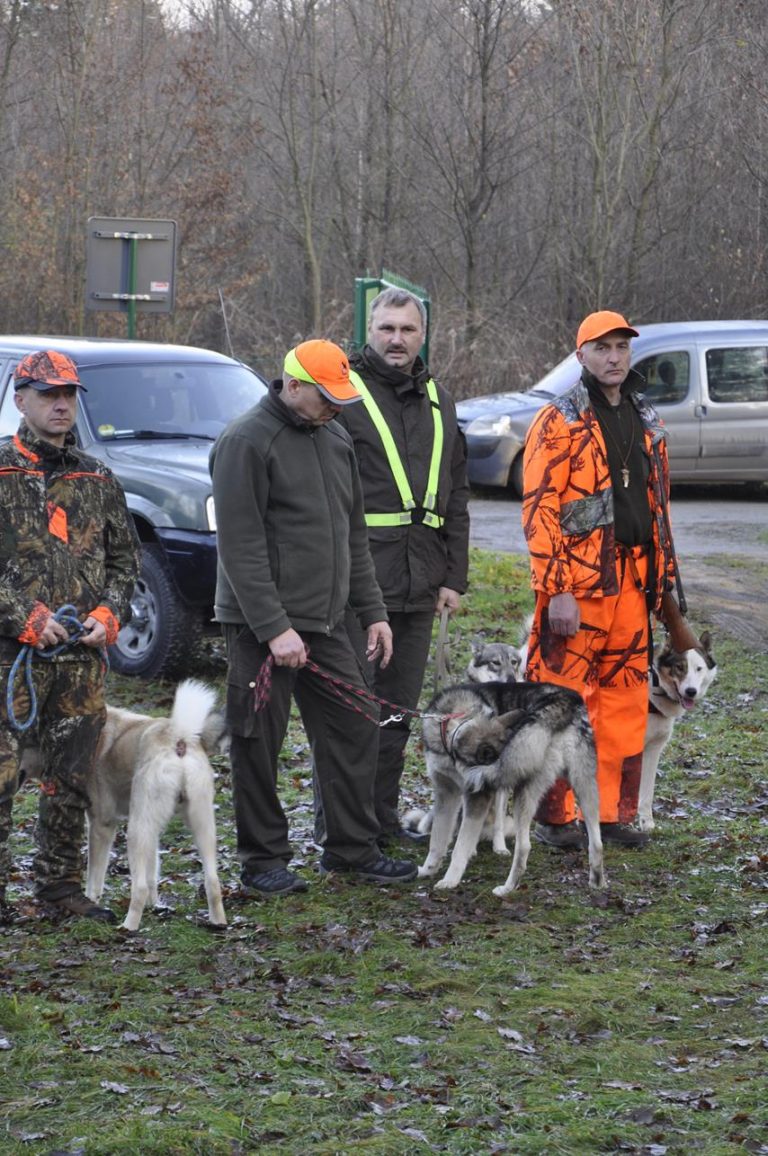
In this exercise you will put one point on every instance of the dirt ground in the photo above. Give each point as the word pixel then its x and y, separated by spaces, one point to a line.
pixel 730 598
pixel 722 543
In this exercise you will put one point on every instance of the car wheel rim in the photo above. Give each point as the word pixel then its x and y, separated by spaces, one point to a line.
pixel 137 636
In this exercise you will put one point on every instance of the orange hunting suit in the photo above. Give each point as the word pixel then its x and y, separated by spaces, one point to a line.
pixel 568 525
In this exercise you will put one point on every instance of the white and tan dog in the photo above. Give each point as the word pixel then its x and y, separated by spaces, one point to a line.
pixel 146 770
pixel 677 681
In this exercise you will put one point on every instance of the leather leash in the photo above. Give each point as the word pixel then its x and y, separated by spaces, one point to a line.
pixel 442 668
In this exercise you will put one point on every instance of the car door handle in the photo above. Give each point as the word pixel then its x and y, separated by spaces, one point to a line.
pixel 700 411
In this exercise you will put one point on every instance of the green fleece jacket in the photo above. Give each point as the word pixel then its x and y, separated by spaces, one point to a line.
pixel 292 540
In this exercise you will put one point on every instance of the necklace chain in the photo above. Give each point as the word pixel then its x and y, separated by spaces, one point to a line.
pixel 624 458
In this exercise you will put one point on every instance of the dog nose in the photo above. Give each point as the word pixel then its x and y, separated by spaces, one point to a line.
pixel 690 692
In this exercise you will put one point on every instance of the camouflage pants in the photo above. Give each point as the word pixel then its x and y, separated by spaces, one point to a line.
pixel 606 661
pixel 70 717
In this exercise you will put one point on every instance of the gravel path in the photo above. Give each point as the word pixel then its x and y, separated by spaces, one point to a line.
pixel 722 544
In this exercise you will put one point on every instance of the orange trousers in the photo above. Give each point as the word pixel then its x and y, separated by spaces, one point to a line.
pixel 607 663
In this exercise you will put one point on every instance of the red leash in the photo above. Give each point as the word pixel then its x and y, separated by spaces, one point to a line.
pixel 262 687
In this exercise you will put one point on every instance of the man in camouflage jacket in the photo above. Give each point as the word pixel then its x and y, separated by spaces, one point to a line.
pixel 66 538
pixel 596 482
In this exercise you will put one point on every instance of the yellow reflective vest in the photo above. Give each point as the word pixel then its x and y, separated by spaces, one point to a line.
pixel 426 511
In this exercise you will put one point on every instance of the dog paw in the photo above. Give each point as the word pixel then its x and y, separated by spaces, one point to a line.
pixel 502 849
pixel 446 884
pixel 502 891
pixel 426 870
pixel 646 822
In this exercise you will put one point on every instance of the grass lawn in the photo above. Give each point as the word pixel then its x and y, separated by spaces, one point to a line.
pixel 352 1019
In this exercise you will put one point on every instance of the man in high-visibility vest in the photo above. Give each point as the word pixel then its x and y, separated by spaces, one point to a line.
pixel 412 460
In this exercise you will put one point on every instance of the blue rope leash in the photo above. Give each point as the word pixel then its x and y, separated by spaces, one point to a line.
pixel 67 616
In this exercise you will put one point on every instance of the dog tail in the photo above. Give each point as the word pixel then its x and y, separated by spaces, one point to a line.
pixel 418 820
pixel 193 703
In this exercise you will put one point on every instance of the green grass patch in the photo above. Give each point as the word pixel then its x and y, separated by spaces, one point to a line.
pixel 354 1020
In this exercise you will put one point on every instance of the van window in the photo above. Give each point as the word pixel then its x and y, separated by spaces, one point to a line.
pixel 738 375
pixel 667 376
pixel 9 414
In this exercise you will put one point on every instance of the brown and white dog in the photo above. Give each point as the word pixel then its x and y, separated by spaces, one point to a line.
pixel 677 681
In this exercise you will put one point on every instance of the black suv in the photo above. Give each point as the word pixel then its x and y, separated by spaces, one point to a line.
pixel 151 413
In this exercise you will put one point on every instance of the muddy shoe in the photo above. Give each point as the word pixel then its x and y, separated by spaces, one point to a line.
pixel 278 881
pixel 75 902
pixel 564 836
pixel 382 870
pixel 623 835
pixel 402 837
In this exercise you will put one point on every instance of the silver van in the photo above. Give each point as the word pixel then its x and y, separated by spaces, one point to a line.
pixel 707 379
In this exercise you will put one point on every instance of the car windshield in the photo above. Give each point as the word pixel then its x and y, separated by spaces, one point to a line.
pixel 166 399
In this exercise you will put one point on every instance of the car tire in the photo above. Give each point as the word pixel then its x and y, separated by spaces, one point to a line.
pixel 516 476
pixel 163 635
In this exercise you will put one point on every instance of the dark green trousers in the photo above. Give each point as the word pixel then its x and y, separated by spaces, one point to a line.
pixel 344 745
pixel 70 718
pixel 400 683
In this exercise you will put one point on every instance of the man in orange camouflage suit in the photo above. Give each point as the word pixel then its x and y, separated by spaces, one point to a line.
pixel 595 474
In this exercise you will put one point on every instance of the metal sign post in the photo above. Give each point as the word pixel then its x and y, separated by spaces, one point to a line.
pixel 366 288
pixel 131 266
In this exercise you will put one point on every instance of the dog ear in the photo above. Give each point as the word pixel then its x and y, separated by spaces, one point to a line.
pixel 661 647
pixel 706 646
pixel 510 719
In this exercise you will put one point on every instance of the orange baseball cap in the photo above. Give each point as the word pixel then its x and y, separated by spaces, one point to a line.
pixel 46 369
pixel 598 324
pixel 325 365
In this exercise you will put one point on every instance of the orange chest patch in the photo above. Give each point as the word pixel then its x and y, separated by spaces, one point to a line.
pixel 57 522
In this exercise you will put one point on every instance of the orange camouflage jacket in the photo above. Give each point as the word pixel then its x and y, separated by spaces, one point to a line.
pixel 568 498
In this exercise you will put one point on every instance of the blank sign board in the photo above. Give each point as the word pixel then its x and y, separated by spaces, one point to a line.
pixel 131 264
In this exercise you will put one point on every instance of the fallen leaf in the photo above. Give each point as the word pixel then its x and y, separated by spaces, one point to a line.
pixel 109 1086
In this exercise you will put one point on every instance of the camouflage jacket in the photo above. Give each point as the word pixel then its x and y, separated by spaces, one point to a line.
pixel 65 537
pixel 568 498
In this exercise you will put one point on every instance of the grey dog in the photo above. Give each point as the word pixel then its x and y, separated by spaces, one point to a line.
pixel 519 737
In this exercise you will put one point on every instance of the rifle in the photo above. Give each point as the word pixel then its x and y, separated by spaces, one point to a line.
pixel 673 611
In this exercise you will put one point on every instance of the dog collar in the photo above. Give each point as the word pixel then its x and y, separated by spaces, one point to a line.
pixel 449 746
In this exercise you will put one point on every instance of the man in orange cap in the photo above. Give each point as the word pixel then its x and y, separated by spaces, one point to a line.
pixel 595 481
pixel 293 552
pixel 68 541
